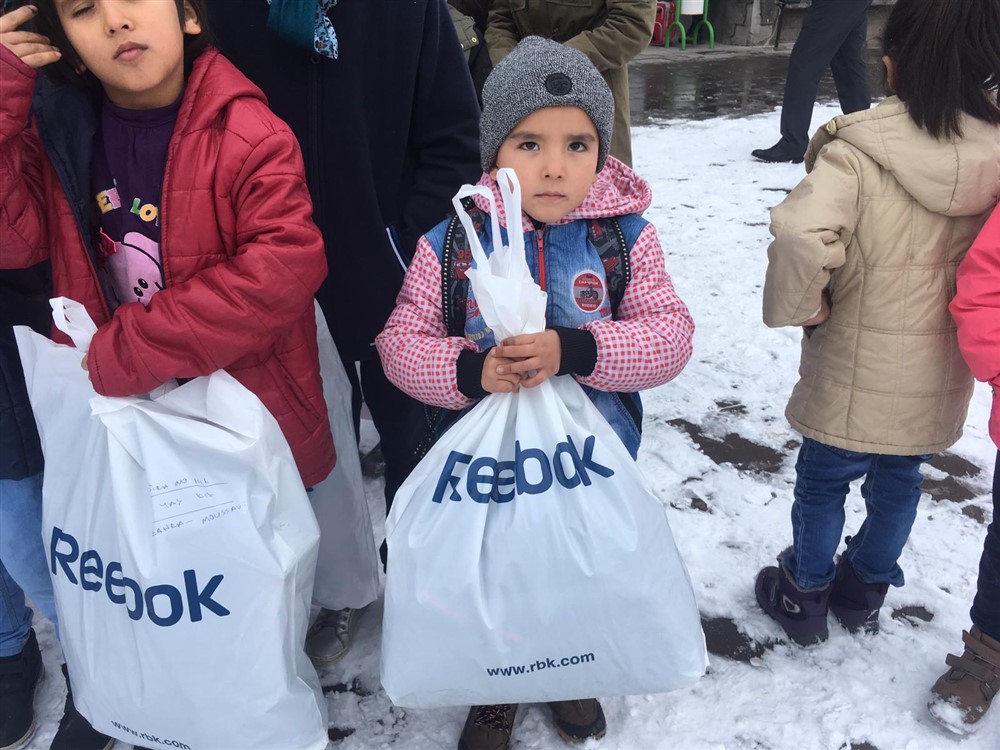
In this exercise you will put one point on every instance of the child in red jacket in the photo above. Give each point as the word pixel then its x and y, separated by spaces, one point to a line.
pixel 171 202
pixel 962 695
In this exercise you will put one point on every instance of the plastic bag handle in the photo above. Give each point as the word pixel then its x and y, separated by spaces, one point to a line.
pixel 507 261
pixel 478 254
pixel 73 319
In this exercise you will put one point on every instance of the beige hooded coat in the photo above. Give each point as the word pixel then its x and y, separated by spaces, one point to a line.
pixel 880 223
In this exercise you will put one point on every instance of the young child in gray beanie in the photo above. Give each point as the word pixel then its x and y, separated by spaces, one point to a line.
pixel 613 319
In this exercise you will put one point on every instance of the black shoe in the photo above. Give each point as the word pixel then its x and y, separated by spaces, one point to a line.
pixel 20 676
pixel 779 153
pixel 75 732
pixel 854 603
pixel 802 614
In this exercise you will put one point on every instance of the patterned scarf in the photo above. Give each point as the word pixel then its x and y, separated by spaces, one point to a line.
pixel 304 23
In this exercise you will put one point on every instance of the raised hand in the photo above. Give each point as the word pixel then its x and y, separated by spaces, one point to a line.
pixel 33 49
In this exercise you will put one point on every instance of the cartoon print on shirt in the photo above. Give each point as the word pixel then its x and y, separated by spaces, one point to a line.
pixel 133 264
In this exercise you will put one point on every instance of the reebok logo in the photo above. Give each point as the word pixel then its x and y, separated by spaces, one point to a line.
pixel 489 479
pixel 163 604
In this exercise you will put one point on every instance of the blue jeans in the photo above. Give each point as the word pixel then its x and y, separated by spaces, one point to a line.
pixel 23 555
pixel 15 617
pixel 823 477
pixel 986 606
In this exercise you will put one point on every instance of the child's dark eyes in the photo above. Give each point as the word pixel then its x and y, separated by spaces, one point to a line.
pixel 528 146
pixel 578 146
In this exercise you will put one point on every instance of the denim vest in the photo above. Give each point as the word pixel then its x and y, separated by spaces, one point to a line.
pixel 574 279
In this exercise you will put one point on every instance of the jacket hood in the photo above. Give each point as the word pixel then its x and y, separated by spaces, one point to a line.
pixel 618 191
pixel 952 176
pixel 214 82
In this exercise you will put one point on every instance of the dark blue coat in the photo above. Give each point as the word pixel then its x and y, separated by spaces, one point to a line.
pixel 23 301
pixel 389 131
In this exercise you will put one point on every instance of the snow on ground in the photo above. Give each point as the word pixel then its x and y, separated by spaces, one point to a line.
pixel 710 205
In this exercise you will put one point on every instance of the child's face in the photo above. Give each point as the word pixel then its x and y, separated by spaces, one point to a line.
pixel 134 47
pixel 554 153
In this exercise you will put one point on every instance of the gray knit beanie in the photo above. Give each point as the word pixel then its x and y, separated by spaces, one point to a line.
pixel 541 73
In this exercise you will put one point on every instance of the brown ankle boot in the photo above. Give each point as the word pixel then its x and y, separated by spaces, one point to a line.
pixel 577 721
pixel 962 695
pixel 488 727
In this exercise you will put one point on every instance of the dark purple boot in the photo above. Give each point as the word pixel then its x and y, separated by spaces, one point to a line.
pixel 856 603
pixel 801 613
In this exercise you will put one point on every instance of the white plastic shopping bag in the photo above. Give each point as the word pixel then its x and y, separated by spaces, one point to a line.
pixel 528 559
pixel 347 569
pixel 181 547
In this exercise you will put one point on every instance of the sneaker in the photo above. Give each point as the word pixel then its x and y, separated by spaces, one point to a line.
pixel 779 153
pixel 579 721
pixel 488 727
pixel 20 676
pixel 854 603
pixel 75 732
pixel 962 695
pixel 802 614
pixel 330 636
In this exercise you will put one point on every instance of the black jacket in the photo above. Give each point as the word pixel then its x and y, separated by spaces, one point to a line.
pixel 389 131
pixel 23 301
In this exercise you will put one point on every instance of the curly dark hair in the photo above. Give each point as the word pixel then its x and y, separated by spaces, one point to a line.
pixel 947 61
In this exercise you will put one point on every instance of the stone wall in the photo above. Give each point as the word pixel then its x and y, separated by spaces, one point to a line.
pixel 751 23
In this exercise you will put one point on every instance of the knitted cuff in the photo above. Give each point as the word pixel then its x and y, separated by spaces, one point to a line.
pixel 469 373
pixel 579 351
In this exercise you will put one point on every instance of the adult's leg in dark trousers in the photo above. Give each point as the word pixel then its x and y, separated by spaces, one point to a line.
pixel 401 425
pixel 398 419
pixel 986 606
pixel 850 73
pixel 825 28
pixel 400 422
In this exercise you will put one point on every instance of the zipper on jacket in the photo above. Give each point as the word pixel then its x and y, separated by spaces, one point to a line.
pixel 539 235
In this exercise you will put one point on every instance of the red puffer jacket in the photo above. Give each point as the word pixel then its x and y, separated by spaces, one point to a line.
pixel 976 309
pixel 241 256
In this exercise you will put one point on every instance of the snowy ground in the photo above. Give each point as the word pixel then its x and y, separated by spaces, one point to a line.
pixel 851 693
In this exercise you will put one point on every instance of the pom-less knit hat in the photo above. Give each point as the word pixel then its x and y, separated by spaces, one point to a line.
pixel 542 73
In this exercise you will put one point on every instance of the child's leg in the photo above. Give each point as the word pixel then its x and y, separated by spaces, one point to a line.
pixel 823 478
pixel 891 492
pixel 962 696
pixel 21 546
pixel 986 606
pixel 797 593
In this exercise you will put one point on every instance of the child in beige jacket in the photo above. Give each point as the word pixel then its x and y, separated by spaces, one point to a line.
pixel 864 259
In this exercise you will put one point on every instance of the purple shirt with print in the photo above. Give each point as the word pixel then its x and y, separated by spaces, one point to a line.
pixel 129 163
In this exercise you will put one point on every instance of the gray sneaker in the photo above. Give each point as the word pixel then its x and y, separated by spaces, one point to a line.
pixel 330 636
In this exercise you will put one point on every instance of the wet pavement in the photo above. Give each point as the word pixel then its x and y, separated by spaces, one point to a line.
pixel 699 83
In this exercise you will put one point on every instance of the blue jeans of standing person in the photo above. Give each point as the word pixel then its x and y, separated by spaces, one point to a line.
pixel 823 477
pixel 15 617
pixel 986 606
pixel 23 554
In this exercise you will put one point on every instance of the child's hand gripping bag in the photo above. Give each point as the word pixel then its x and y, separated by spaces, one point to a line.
pixel 182 547
pixel 528 559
